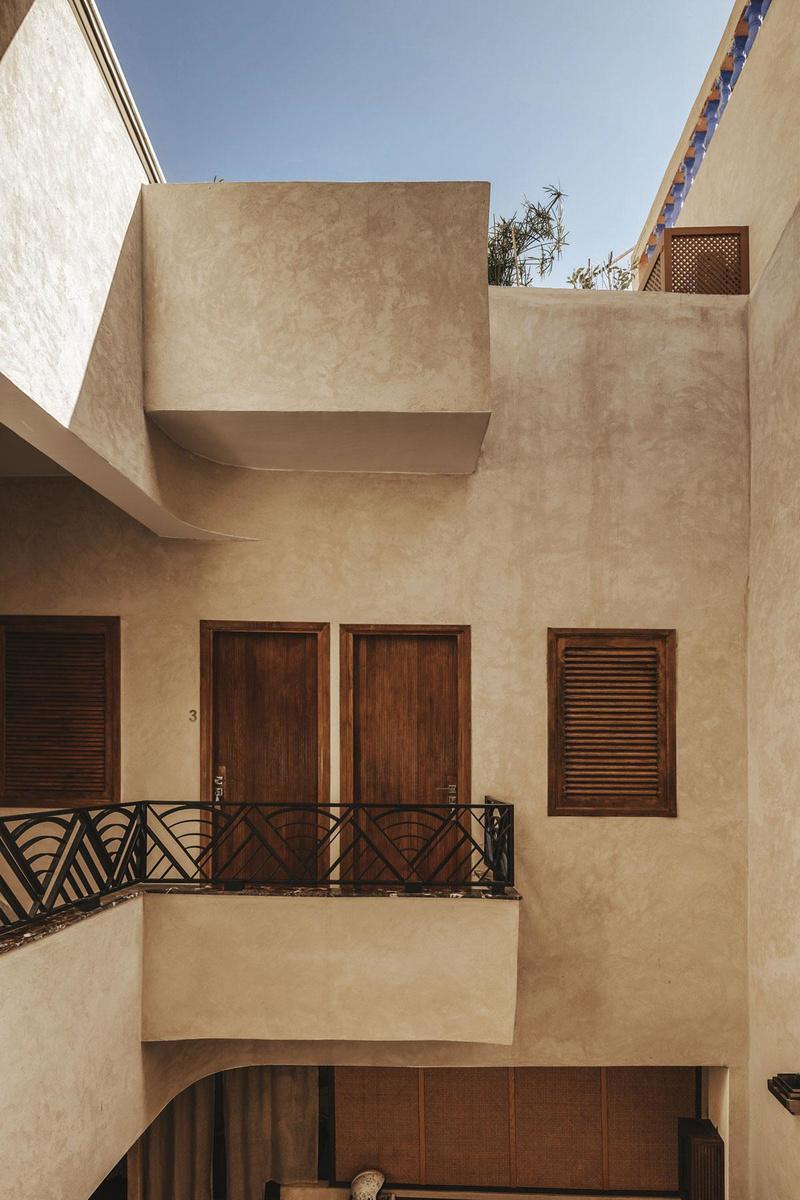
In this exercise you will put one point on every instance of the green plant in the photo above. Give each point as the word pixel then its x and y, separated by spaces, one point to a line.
pixel 604 276
pixel 526 245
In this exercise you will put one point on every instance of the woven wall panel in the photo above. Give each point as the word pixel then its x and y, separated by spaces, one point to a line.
pixel 467 1127
pixel 377 1122
pixel 559 1127
pixel 60 700
pixel 644 1105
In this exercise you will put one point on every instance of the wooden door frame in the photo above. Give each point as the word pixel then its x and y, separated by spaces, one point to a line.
pixel 322 631
pixel 347 635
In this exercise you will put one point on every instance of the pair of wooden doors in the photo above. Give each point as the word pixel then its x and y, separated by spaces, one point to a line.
pixel 265 734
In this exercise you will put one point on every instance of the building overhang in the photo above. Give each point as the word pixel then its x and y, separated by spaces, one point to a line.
pixel 418 443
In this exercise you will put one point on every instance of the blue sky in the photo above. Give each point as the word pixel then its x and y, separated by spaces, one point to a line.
pixel 586 94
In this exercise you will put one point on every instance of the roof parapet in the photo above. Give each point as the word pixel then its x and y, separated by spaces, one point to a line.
pixel 737 42
pixel 91 23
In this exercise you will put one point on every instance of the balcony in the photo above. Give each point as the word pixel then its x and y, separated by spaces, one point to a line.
pixel 287 922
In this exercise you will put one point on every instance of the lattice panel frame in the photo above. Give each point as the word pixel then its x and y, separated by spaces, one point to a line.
pixel 655 280
pixel 708 262
pixel 701 260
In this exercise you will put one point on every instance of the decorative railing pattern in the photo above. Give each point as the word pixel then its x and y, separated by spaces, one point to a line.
pixel 53 862
pixel 746 32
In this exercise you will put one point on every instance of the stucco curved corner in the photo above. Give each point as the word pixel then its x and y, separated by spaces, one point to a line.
pixel 25 418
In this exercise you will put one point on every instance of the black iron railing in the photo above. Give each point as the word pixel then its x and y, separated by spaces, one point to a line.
pixel 55 861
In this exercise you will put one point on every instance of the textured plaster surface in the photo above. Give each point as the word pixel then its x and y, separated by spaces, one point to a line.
pixel 774 752
pixel 750 174
pixel 612 491
pixel 71 181
pixel 71 349
pixel 316 296
pixel 71 328
pixel 329 968
pixel 73 1087
pixel 298 296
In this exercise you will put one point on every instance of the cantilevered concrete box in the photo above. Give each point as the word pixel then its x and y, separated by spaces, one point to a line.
pixel 319 326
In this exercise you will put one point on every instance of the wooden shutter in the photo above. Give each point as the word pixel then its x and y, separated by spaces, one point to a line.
pixel 59 681
pixel 611 697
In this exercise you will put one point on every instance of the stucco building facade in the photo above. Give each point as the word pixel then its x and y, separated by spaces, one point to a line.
pixel 238 424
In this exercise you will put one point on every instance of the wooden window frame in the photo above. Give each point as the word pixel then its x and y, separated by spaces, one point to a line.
pixel 668 788
pixel 347 635
pixel 110 626
pixel 207 631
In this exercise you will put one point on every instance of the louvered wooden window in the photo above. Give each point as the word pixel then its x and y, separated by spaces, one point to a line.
pixel 59 724
pixel 611 722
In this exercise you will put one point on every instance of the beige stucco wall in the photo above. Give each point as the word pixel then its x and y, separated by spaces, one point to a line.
pixel 78 1084
pixel 71 341
pixel 751 173
pixel 73 1089
pixel 334 968
pixel 71 182
pixel 321 296
pixel 612 491
pixel 316 298
pixel 774 675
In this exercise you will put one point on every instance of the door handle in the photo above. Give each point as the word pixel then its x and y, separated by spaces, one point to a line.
pixel 218 790
pixel 452 793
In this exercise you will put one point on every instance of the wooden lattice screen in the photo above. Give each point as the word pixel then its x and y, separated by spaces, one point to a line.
pixel 710 261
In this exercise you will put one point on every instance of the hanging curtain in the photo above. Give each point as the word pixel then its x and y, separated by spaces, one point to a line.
pixel 172 1159
pixel 271 1128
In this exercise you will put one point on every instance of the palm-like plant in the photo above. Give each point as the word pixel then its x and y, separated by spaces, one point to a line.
pixel 525 246
pixel 608 275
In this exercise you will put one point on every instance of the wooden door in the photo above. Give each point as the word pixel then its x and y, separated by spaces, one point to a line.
pixel 265 736
pixel 405 725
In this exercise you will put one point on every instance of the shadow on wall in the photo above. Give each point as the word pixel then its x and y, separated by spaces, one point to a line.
pixel 109 413
pixel 108 444
pixel 239 1128
pixel 12 14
